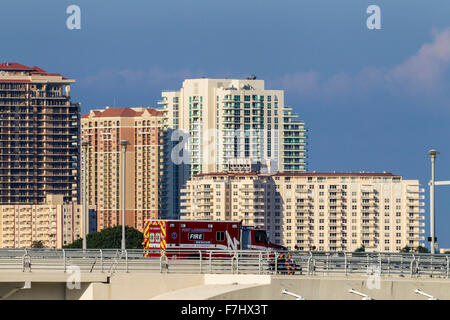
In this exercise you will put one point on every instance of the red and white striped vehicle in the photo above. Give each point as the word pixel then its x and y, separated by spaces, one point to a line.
pixel 187 237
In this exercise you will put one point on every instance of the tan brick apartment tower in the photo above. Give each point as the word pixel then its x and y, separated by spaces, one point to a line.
pixel 315 210
pixel 103 130
pixel 54 223
pixel 39 136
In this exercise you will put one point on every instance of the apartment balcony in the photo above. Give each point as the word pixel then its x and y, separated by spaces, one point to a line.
pixel 303 236
pixel 414 212
pixel 371 219
pixel 8 220
pixel 8 228
pixel 415 190
pixel 415 232
pixel 204 204
pixel 255 210
pixel 416 238
pixel 25 215
pixel 336 194
pixel 369 190
pixel 163 102
pixel 252 196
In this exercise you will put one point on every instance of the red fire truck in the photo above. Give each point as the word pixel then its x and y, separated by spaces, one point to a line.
pixel 185 237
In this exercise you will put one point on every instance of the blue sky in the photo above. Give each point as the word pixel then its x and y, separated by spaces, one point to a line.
pixel 373 100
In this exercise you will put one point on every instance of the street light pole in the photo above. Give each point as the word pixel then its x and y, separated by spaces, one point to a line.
pixel 84 146
pixel 123 144
pixel 432 154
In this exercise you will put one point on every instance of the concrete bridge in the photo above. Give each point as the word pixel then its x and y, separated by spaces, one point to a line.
pixel 250 275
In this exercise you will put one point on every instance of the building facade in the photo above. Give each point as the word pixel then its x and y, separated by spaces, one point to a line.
pixel 232 124
pixel 103 130
pixel 54 223
pixel 314 211
pixel 39 136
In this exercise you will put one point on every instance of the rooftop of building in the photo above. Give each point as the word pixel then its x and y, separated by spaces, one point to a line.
pixel 122 112
pixel 14 66
pixel 229 84
pixel 301 174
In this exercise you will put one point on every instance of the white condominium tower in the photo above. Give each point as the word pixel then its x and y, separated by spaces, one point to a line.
pixel 315 210
pixel 235 124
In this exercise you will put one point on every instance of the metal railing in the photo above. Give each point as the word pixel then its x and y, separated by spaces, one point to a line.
pixel 111 261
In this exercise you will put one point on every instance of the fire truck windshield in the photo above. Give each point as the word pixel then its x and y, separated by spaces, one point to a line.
pixel 261 236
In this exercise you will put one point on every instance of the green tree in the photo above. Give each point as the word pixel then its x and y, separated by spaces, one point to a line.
pixel 110 238
pixel 406 249
pixel 37 244
pixel 421 249
pixel 361 249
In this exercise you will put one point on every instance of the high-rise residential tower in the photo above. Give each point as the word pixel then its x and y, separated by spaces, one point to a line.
pixel 53 223
pixel 316 210
pixel 228 125
pixel 145 197
pixel 234 124
pixel 39 136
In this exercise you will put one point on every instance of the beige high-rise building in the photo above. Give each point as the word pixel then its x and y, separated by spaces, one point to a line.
pixel 318 211
pixel 103 130
pixel 234 124
pixel 54 223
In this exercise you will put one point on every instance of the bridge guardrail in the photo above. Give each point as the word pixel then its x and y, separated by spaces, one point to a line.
pixel 229 262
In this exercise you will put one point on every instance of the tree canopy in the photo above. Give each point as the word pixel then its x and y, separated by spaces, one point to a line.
pixel 37 244
pixel 419 249
pixel 361 249
pixel 110 238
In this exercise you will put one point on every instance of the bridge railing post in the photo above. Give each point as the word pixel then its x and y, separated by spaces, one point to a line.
pixel 328 261
pixel 166 265
pixel 448 266
pixel 200 257
pixel 101 260
pixel 126 261
pixel 431 265
pixel 413 263
pixel 345 262
pixel 310 260
pixel 367 261
pixel 260 262
pixel 65 262
pixel 210 261
pixel 276 262
pixel 389 265
pixel 26 262
pixel 379 262
pixel 401 264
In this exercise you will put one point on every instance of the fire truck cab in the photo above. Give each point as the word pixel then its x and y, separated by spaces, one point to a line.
pixel 257 239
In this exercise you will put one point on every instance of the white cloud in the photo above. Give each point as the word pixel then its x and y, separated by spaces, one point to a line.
pixel 425 70
pixel 421 74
